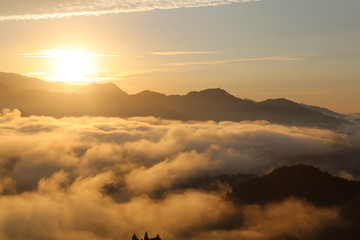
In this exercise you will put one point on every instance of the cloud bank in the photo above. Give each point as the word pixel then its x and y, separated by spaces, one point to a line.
pixel 106 178
pixel 42 9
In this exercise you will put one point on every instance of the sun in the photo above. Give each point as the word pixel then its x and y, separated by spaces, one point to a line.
pixel 71 65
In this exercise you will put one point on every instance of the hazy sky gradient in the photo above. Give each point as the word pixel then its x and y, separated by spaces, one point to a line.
pixel 307 51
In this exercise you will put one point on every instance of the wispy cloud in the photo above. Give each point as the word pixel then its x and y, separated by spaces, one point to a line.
pixel 55 53
pixel 171 53
pixel 184 64
pixel 116 75
pixel 40 9
pixel 308 92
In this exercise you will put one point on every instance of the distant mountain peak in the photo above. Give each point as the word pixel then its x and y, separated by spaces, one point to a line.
pixel 212 93
pixel 279 101
pixel 148 93
pixel 298 169
pixel 106 88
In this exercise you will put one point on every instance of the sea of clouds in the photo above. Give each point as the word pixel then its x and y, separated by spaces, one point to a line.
pixel 99 178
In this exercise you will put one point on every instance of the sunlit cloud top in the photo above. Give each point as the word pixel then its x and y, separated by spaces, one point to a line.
pixel 43 9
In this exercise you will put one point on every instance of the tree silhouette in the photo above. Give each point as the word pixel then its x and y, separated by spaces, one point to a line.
pixel 134 237
pixel 146 236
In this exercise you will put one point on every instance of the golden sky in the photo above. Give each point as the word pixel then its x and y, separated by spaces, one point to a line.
pixel 306 51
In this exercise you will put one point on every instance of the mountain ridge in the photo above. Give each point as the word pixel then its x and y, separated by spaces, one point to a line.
pixel 311 185
pixel 301 181
pixel 109 100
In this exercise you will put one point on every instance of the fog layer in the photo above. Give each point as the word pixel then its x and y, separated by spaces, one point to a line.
pixel 106 178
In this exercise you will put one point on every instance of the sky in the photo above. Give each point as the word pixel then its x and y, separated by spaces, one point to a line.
pixel 307 51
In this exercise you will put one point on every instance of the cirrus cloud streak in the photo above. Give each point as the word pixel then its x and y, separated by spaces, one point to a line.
pixel 41 9
pixel 242 60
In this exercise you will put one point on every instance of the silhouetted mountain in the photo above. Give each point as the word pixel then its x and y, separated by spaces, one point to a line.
pixel 312 185
pixel 150 94
pixel 107 89
pixel 22 82
pixel 301 181
pixel 324 111
pixel 19 81
pixel 38 98
pixel 214 94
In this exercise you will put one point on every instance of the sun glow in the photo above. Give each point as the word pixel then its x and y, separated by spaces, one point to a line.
pixel 71 65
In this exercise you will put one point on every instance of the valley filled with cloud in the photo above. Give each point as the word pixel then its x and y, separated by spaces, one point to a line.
pixel 106 178
pixel 180 119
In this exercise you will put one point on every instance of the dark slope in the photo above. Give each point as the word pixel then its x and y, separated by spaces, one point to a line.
pixel 300 181
pixel 104 90
pixel 19 81
pixel 312 185
pixel 22 82
pixel 324 111
pixel 109 100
